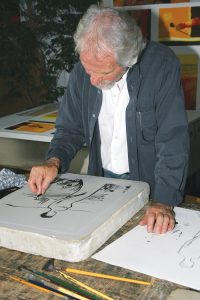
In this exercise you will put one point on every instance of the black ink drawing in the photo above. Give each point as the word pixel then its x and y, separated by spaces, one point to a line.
pixel 177 232
pixel 68 195
pixel 190 251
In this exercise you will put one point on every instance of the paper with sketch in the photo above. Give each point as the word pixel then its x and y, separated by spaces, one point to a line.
pixel 174 256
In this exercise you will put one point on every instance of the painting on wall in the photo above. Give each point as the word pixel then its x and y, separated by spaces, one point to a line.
pixel 179 25
pixel 189 75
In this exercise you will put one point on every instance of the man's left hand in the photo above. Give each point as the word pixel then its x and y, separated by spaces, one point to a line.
pixel 159 218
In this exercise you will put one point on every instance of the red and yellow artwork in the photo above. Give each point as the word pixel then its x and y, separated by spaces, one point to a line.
pixel 33 126
pixel 189 71
pixel 179 24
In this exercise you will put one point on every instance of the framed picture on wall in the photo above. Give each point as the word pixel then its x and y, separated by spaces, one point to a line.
pixel 179 25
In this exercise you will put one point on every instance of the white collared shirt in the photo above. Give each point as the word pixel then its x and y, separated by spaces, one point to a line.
pixel 112 125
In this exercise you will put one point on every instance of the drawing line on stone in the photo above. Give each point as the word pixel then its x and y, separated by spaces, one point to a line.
pixel 63 202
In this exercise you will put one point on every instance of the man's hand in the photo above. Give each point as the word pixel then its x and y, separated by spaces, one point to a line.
pixel 159 218
pixel 41 176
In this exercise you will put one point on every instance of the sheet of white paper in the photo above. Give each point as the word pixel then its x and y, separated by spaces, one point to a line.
pixel 174 256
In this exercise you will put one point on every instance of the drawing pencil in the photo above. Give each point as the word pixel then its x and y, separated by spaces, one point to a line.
pixel 65 284
pixel 40 288
pixel 85 286
pixel 105 276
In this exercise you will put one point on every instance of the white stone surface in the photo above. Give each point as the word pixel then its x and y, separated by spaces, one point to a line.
pixel 73 219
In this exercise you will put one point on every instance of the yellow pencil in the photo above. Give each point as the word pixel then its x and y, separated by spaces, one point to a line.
pixel 85 286
pixel 40 288
pixel 105 276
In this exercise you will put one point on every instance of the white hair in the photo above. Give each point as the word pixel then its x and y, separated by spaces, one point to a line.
pixel 105 30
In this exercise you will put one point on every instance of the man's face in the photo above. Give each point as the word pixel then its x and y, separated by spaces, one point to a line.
pixel 103 72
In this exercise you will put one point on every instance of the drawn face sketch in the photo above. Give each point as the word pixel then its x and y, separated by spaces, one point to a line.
pixel 55 198
pixel 61 190
pixel 64 187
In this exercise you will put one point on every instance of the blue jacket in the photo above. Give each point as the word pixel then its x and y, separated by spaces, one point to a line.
pixel 156 122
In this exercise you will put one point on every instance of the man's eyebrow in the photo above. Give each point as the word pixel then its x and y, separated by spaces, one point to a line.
pixel 95 72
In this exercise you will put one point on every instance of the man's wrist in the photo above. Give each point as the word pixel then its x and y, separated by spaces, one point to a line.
pixel 53 161
pixel 152 203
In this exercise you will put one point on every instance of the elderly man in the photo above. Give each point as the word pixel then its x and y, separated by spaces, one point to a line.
pixel 124 100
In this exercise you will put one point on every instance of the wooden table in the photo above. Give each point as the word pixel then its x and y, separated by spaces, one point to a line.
pixel 11 290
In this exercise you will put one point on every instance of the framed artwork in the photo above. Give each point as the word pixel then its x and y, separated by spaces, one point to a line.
pixel 179 25
pixel 32 126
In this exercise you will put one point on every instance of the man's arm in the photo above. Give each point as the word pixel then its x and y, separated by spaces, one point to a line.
pixel 67 140
pixel 172 149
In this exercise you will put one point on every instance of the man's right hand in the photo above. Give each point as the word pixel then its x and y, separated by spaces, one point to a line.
pixel 41 176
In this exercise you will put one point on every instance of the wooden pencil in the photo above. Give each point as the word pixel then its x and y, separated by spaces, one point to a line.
pixel 105 276
pixel 85 286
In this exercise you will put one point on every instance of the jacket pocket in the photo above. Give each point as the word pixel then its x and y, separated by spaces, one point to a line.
pixel 147 124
